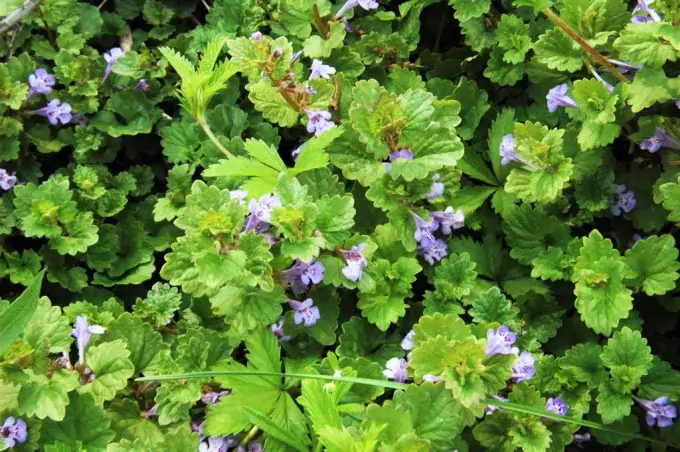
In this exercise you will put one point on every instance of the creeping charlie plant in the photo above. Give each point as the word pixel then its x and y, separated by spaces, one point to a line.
pixel 344 226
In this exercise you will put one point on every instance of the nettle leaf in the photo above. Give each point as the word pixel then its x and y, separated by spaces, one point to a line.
pixel 653 263
pixel 628 358
pixel 335 218
pixel 85 425
pixel 557 51
pixel 602 298
pixel 47 397
pixel 143 342
pixel 455 276
pixel 469 10
pixel 492 306
pixel 649 44
pixel 112 367
pixel 651 86
pixel 599 106
pixel 514 38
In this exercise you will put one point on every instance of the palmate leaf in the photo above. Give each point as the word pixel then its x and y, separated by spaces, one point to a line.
pixel 654 265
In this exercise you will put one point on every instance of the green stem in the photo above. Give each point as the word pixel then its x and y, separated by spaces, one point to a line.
pixel 213 138
pixel 554 18
pixel 250 435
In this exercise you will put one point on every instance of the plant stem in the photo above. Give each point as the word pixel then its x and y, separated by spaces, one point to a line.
pixel 213 138
pixel 250 435
pixel 101 5
pixel 18 14
pixel 554 18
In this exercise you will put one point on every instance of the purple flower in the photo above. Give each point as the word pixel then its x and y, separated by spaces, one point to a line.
pixel 624 65
pixel 150 412
pixel 111 57
pixel 658 411
pixel 659 140
pixel 356 262
pixel 424 229
pixel 305 311
pixel 579 439
pixel 143 85
pixel 321 70
pixel 557 97
pixel 217 444
pixel 607 85
pixel 405 154
pixel 41 82
pixel 319 122
pixel 509 154
pixel 407 343
pixel 55 111
pixel 499 342
pixel 491 408
pixel 198 428
pixel 310 90
pixel 523 369
pixel 260 213
pixel 13 431
pixel 83 332
pixel 432 378
pixel 7 181
pixel 301 274
pixel 255 447
pixel 277 52
pixel 557 405
pixel 351 4
pixel 643 5
pixel 433 250
pixel 257 36
pixel 622 201
pixel 448 220
pixel 437 188
pixel 296 56
pixel 238 195
pixel 395 369
pixel 277 329
pixel 213 397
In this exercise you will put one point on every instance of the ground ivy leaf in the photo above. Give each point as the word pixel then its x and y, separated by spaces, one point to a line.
pixel 85 424
pixel 110 362
pixel 654 264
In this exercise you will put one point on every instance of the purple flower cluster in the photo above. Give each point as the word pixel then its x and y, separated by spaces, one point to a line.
pixel 644 13
pixel 437 188
pixel 41 82
pixel 305 312
pixel 433 249
pixel 83 331
pixel 260 213
pixel 407 342
pixel 356 262
pixel 111 57
pixel 659 412
pixel 557 405
pixel 509 153
pixel 321 70
pixel 395 369
pixel 405 154
pixel 659 140
pixel 319 121
pixel 523 369
pixel 351 4
pixel 499 342
pixel 13 431
pixel 277 330
pixel 55 112
pixel 217 444
pixel 557 97
pixel 302 274
pixel 7 180
pixel 623 200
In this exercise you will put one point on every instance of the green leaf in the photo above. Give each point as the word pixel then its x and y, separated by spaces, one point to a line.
pixel 85 425
pixel 492 306
pixel 143 342
pixel 646 44
pixel 651 86
pixel 14 319
pixel 361 339
pixel 335 218
pixel 455 276
pixel 47 397
pixel 466 10
pixel 473 105
pixel 540 186
pixel 671 199
pixel 628 358
pixel 312 153
pixel 602 299
pixel 317 47
pixel 557 51
pixel 514 38
pixel 269 101
pixel 265 153
pixel 654 264
pixel 112 367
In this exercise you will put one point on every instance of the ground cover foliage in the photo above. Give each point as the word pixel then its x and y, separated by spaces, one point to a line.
pixel 367 225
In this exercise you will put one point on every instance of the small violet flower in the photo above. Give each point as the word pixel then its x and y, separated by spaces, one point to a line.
pixel 302 274
pixel 217 444
pixel 305 311
pixel 407 342
pixel 509 154
pixel 41 82
pixel 13 431
pixel 296 56
pixel 607 85
pixel 351 4
pixel 432 378
pixel 151 412
pixel 55 112
pixel 83 332
pixel 448 219
pixel 557 97
pixel 111 57
pixel 523 369
pixel 356 262
pixel 260 212
pixel 433 251
pixel 557 405
pixel 499 342
pixel 424 229
pixel 437 188
pixel 658 411
pixel 622 201
pixel 7 180
pixel 395 369
pixel 319 122
pixel 238 195
pixel 143 85
pixel 321 70
pixel 491 408
pixel 405 154
pixel 624 65
pixel 643 6
pixel 659 140
pixel 257 36
pixel 277 330
pixel 213 397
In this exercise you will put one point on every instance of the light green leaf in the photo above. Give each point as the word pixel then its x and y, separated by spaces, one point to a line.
pixel 14 319
pixel 654 264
